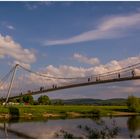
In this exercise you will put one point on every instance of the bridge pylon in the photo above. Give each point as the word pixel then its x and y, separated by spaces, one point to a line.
pixel 11 84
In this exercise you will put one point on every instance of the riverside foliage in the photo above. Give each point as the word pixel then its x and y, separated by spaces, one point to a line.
pixel 133 104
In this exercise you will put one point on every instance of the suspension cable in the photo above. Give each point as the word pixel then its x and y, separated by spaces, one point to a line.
pixel 6 77
pixel 71 78
pixel 43 75
pixel 120 70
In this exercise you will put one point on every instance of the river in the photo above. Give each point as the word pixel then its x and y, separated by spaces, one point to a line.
pixel 127 127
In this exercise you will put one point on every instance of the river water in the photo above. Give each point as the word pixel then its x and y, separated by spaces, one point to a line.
pixel 127 127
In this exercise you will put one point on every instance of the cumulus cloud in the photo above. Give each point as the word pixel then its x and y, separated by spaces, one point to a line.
pixel 110 27
pixel 21 63
pixel 30 81
pixel 9 48
pixel 84 59
pixel 71 71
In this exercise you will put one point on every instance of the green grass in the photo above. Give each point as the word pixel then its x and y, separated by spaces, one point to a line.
pixel 39 110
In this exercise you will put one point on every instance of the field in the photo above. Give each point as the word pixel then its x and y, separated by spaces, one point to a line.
pixel 62 110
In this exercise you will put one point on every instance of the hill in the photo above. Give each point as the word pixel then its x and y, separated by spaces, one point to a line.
pixel 114 101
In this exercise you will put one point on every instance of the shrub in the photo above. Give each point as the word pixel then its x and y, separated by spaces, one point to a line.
pixel 95 112
pixel 44 100
pixel 14 111
pixel 133 104
pixel 28 99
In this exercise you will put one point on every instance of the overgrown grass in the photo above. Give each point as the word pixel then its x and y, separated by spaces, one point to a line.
pixel 39 110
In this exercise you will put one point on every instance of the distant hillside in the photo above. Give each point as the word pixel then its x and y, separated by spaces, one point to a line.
pixel 115 101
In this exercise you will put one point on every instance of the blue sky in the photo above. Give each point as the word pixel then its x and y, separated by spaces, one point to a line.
pixel 63 36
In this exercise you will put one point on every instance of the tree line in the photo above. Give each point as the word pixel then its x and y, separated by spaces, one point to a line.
pixel 133 103
pixel 42 100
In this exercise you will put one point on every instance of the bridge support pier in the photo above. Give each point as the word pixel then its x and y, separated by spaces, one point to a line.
pixel 11 83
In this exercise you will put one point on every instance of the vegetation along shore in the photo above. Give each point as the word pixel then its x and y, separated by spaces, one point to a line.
pixel 45 108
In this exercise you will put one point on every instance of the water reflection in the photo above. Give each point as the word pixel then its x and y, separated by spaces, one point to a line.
pixel 6 126
pixel 134 126
pixel 8 132
pixel 102 132
pixel 129 127
pixel 14 113
pixel 98 120
pixel 5 131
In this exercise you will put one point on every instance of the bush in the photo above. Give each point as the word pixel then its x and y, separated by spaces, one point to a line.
pixel 44 100
pixel 36 103
pixel 58 102
pixel 14 111
pixel 95 112
pixel 133 104
pixel 28 99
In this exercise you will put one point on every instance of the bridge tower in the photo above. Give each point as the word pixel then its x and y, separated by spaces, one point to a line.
pixel 11 83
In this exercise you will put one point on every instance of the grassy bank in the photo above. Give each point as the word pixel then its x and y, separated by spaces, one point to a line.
pixel 63 110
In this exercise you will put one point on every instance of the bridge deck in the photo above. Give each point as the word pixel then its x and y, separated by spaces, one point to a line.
pixel 80 84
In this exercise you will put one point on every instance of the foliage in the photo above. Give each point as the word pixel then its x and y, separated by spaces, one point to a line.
pixel 95 112
pixel 134 123
pixel 13 100
pixel 133 104
pixel 28 99
pixel 115 101
pixel 36 103
pixel 19 100
pixel 2 100
pixel 105 132
pixel 44 100
pixel 58 102
pixel 14 111
pixel 67 135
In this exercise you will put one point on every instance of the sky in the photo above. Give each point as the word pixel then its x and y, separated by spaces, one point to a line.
pixel 72 39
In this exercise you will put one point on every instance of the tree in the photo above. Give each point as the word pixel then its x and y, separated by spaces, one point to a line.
pixel 28 99
pixel 133 104
pixel 44 100
pixel 59 102
pixel 13 100
pixel 36 102
pixel 2 100
pixel 19 100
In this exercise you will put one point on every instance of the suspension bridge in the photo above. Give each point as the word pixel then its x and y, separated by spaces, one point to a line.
pixel 20 81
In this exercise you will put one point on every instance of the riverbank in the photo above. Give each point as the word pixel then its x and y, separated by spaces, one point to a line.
pixel 53 111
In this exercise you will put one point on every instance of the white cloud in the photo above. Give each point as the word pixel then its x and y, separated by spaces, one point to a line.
pixel 31 6
pixel 35 5
pixel 33 82
pixel 84 59
pixel 111 27
pixel 10 27
pixel 9 48
pixel 70 71
pixel 21 63
pixel 7 25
